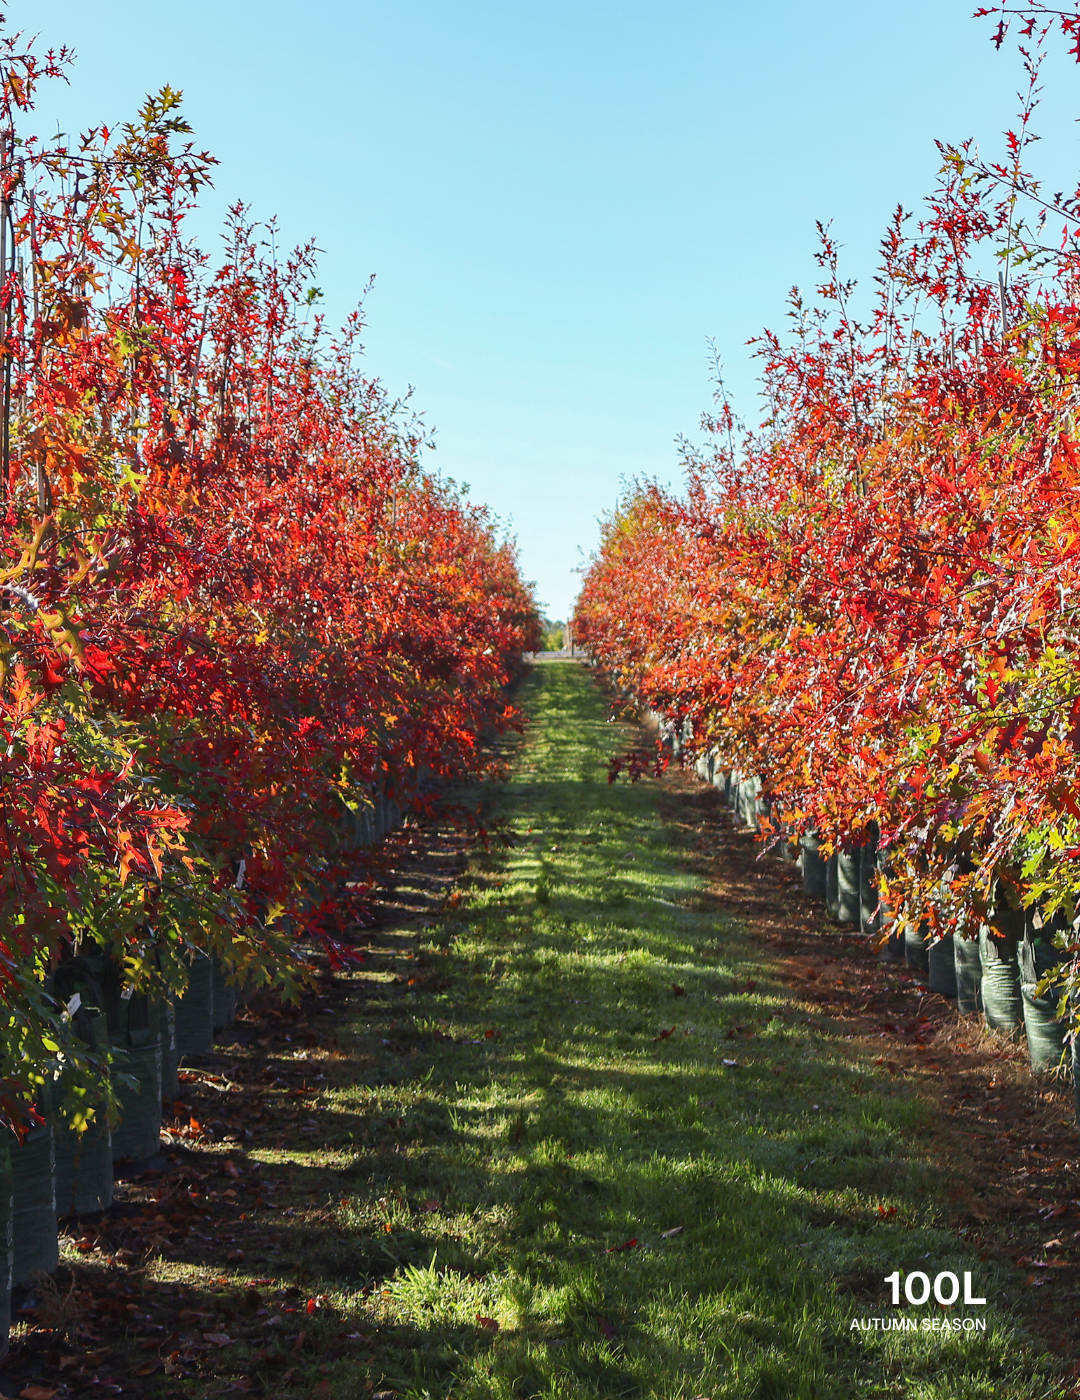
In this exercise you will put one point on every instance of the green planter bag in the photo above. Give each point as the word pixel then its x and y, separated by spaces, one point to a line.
pixel 941 965
pixel 84 1169
pixel 1003 1001
pixel 748 799
pixel 84 1161
pixel 869 913
pixel 195 1010
pixel 5 1241
pixel 223 995
pixel 832 889
pixel 1074 1060
pixel 813 867
pixel 847 886
pixel 893 946
pixel 135 1036
pixel 170 1058
pixel 33 1177
pixel 1045 1033
pixel 916 950
pixel 967 965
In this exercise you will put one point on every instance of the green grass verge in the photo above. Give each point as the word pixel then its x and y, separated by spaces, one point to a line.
pixel 528 1121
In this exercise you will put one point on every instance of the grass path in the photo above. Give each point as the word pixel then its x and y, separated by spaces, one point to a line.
pixel 616 1164
pixel 570 1133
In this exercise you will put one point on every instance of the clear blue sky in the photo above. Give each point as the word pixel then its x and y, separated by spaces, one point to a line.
pixel 561 201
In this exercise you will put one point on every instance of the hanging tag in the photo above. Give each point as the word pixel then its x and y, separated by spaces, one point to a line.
pixel 74 1004
pixel 127 993
pixel 240 875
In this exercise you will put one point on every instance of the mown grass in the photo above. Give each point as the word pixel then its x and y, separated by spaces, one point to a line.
pixel 523 1119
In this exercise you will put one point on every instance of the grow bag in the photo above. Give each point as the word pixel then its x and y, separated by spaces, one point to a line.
pixel 917 950
pixel 84 1163
pixel 136 1043
pixel 847 886
pixel 968 969
pixel 748 803
pixel 813 867
pixel 869 914
pixel 1003 1001
pixel 787 846
pixel 170 1057
pixel 941 964
pixel 195 1010
pixel 1074 1059
pixel 1045 1033
pixel 5 1244
pixel 33 1174
pixel 84 1169
pixel 893 945
pixel 832 890
pixel 223 995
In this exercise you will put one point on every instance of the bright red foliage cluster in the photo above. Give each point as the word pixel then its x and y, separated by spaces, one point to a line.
pixel 871 601
pixel 234 608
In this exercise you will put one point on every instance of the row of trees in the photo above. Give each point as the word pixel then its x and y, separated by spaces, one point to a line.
pixel 871 600
pixel 234 609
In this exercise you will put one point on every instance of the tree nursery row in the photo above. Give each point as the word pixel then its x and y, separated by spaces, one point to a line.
pixel 867 607
pixel 242 631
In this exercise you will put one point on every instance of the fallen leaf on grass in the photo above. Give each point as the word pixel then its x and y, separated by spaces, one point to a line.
pixel 615 1248
pixel 665 1035
pixel 487 1322
pixel 678 991
pixel 35 1392
pixel 219 1339
pixel 667 1234
pixel 731 1064
pixel 886 1212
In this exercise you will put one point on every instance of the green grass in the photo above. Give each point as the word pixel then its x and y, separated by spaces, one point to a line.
pixel 547 1125
pixel 489 1138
